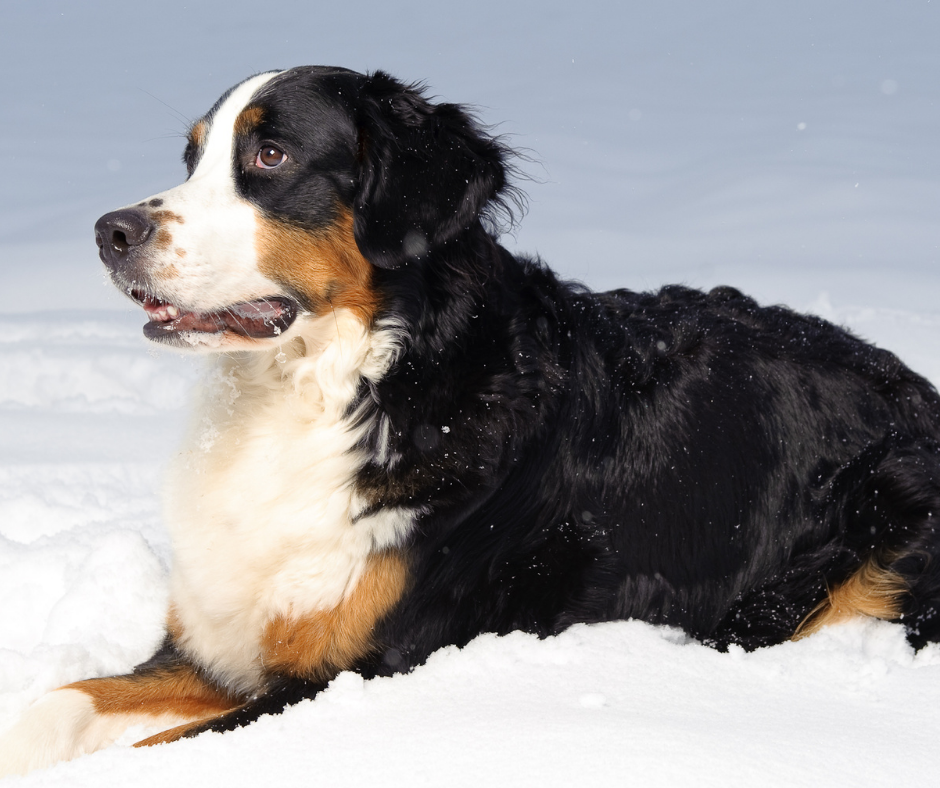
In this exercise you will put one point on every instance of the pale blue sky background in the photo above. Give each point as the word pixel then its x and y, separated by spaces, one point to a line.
pixel 725 140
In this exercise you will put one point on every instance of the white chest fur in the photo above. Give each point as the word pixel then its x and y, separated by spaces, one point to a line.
pixel 261 503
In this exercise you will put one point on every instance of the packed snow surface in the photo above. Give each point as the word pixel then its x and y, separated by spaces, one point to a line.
pixel 789 149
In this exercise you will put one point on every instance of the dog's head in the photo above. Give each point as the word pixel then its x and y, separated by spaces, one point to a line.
pixel 300 183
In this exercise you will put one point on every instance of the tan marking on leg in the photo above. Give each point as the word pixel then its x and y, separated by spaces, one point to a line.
pixel 177 690
pixel 172 734
pixel 321 644
pixel 325 265
pixel 248 120
pixel 872 591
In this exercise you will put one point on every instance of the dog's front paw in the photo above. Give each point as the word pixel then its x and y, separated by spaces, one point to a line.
pixel 58 727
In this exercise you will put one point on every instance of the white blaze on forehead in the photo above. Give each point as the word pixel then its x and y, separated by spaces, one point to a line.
pixel 218 151
pixel 212 249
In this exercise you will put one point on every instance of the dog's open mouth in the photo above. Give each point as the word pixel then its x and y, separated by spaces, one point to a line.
pixel 262 318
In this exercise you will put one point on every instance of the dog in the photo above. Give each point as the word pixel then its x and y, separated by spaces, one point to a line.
pixel 411 436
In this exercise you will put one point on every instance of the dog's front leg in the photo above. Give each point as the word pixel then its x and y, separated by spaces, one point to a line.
pixel 281 692
pixel 88 715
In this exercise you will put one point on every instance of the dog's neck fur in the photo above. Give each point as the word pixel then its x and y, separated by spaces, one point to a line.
pixel 271 423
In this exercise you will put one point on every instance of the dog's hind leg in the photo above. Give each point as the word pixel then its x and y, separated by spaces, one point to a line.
pixel 891 509
pixel 881 557
pixel 772 612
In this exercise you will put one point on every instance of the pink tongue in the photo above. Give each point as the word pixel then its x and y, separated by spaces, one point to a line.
pixel 264 317
pixel 211 322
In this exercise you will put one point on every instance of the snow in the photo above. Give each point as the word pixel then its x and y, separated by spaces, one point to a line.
pixel 787 149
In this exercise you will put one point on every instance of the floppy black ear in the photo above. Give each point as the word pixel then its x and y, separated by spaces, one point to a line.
pixel 427 172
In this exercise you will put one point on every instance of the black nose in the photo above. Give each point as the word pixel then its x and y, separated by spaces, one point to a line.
pixel 120 232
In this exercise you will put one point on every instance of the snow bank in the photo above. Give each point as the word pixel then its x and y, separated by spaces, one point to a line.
pixel 614 704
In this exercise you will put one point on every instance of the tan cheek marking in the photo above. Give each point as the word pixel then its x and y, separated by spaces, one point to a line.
pixel 162 239
pixel 325 265
pixel 321 644
pixel 872 591
pixel 248 120
pixel 165 217
pixel 166 272
pixel 179 691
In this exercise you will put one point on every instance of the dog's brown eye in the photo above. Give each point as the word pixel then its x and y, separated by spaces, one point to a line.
pixel 270 157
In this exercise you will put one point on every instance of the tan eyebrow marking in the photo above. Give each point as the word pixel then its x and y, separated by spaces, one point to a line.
pixel 197 134
pixel 248 120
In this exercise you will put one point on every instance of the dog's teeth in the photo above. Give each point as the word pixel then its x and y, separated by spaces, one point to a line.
pixel 172 311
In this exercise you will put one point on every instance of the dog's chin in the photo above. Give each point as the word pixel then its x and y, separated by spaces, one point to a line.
pixel 244 324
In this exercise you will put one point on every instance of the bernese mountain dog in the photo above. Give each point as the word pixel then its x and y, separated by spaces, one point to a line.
pixel 410 436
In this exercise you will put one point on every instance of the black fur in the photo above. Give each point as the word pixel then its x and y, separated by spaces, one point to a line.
pixel 679 457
